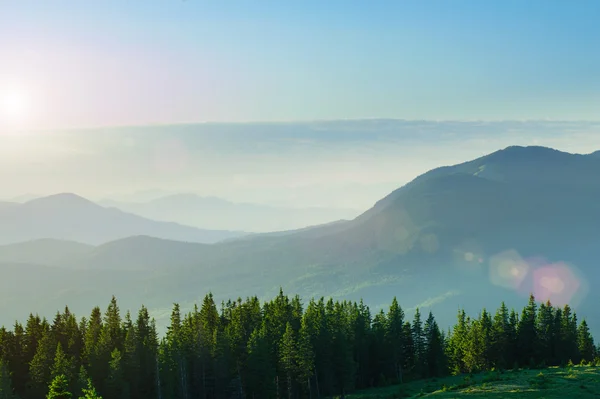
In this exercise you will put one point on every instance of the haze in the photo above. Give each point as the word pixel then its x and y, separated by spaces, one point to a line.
pixel 348 164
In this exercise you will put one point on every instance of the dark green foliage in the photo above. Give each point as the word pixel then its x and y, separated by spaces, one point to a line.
pixel 6 390
pixel 279 349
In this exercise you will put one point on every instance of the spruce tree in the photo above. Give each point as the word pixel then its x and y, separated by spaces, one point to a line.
pixel 89 392
pixel 419 343
pixel 305 358
pixel 41 365
pixel 457 344
pixel 408 353
pixel 527 341
pixel 62 365
pixel 288 354
pixel 435 357
pixel 146 350
pixel 500 345
pixel 394 335
pixel 261 373
pixel 546 334
pixel 59 388
pixel 116 386
pixel 82 381
pixel 585 342
pixel 6 390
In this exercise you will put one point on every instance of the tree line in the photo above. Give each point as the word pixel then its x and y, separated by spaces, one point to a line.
pixel 277 349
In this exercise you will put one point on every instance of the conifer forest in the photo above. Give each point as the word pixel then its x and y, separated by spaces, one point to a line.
pixel 277 349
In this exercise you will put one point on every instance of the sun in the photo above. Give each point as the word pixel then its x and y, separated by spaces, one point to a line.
pixel 14 104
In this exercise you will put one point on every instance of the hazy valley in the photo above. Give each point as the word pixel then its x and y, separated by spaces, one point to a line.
pixel 520 220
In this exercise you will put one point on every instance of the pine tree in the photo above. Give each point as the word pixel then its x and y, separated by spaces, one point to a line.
pixel 527 341
pixel 500 339
pixel 546 334
pixel 146 351
pixel 288 358
pixel 360 323
pixel 90 392
pixel 585 342
pixel 82 381
pixel 116 386
pixel 408 354
pixel 513 323
pixel 41 365
pixel 110 338
pixel 486 338
pixel 394 336
pixel 261 373
pixel 569 350
pixel 419 344
pixel 62 365
pixel 305 357
pixel 175 375
pixel 131 367
pixel 457 344
pixel 16 358
pixel 59 388
pixel 6 390
pixel 474 359
pixel 91 353
pixel 435 358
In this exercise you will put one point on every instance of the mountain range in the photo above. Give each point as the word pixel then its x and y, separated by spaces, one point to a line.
pixel 519 220
pixel 71 217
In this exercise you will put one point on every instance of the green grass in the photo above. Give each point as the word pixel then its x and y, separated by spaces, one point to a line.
pixel 558 383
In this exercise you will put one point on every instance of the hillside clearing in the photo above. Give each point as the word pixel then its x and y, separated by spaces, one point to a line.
pixel 559 383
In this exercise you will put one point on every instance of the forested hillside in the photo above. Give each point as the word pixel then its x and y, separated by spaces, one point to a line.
pixel 279 348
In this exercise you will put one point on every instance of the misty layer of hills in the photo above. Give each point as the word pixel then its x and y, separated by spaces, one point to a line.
pixel 468 235
pixel 217 213
pixel 70 217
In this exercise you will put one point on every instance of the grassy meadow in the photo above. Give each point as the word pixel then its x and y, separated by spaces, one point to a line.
pixel 550 383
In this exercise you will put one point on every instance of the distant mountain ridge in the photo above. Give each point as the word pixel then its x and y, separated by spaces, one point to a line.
pixel 217 213
pixel 437 242
pixel 71 217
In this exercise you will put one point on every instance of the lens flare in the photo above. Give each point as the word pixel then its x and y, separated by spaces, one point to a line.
pixel 560 284
pixel 508 269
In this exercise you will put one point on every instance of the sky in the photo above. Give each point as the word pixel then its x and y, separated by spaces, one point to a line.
pixel 113 62
pixel 111 98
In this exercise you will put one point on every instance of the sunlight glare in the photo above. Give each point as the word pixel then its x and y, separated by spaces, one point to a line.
pixel 14 105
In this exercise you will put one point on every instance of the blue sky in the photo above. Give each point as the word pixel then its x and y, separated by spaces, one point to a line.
pixel 114 62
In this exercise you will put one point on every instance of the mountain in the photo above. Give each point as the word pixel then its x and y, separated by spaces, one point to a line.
pixel 73 218
pixel 217 213
pixel 520 220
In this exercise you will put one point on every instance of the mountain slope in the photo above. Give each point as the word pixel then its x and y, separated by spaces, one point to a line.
pixel 44 252
pixel 73 218
pixel 455 236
